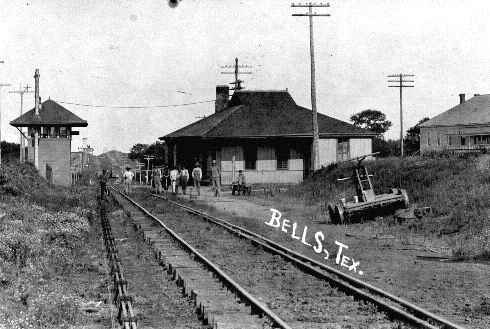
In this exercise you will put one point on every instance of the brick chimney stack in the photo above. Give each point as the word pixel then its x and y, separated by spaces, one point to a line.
pixel 36 92
pixel 222 95
pixel 461 98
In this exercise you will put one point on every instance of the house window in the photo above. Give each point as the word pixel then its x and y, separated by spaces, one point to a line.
pixel 428 139
pixel 463 140
pixel 250 155
pixel 438 140
pixel 282 156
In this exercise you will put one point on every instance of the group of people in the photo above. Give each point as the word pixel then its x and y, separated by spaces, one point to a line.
pixel 178 177
pixel 164 179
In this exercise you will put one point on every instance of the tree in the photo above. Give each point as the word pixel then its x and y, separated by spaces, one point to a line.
pixel 373 120
pixel 158 150
pixel 138 152
pixel 10 151
pixel 412 139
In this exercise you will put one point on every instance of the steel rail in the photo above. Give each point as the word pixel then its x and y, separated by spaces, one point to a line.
pixel 304 260
pixel 256 304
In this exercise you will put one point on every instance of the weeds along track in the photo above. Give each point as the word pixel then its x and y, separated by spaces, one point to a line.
pixel 395 307
pixel 219 300
pixel 304 293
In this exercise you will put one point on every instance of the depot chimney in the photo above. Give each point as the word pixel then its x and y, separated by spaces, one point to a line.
pixel 36 92
pixel 461 98
pixel 222 94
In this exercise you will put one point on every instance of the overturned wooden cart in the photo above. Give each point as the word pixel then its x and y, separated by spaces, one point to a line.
pixel 366 204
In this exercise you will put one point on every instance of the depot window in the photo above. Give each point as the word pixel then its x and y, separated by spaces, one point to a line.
pixel 282 155
pixel 250 155
pixel 63 132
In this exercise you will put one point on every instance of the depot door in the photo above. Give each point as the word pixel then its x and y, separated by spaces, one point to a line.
pixel 343 149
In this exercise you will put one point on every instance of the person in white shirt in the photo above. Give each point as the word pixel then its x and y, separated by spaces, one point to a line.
pixel 128 179
pixel 196 177
pixel 184 178
pixel 174 175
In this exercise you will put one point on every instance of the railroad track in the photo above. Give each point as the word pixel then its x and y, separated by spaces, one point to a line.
pixel 220 301
pixel 397 308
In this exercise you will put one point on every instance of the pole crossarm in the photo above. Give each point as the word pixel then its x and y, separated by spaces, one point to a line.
pixel 307 5
pixel 311 15
pixel 398 75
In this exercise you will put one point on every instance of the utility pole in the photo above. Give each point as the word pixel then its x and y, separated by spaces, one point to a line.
pixel 237 83
pixel 315 156
pixel 401 82
pixel 37 107
pixel 21 92
pixel 140 165
pixel 1 85
pixel 148 158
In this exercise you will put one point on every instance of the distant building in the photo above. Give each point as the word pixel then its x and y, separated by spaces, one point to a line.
pixel 265 134
pixel 50 127
pixel 463 127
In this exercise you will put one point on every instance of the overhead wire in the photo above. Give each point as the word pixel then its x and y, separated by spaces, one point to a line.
pixel 135 106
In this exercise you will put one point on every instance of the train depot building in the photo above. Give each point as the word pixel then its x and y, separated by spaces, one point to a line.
pixel 265 134
pixel 463 127
pixel 50 127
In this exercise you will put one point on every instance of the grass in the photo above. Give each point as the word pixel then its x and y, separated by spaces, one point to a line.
pixel 44 236
pixel 457 189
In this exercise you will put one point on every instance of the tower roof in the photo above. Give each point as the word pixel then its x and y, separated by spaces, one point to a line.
pixel 50 114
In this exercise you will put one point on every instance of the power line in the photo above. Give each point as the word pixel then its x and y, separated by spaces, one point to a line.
pixel 135 106
pixel 402 82
pixel 315 155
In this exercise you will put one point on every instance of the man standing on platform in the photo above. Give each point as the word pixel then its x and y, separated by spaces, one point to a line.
pixel 215 178
pixel 174 175
pixel 196 177
pixel 184 178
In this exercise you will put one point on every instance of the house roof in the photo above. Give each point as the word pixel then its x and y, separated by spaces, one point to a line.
pixel 475 111
pixel 50 114
pixel 265 114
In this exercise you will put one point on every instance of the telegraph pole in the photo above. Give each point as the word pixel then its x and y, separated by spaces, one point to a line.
pixel 21 92
pixel 236 71
pixel 315 156
pixel 1 85
pixel 140 165
pixel 402 82
pixel 148 158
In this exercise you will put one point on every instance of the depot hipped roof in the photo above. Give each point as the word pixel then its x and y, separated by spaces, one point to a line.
pixel 265 114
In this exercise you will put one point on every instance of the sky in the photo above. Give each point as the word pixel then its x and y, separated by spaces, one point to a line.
pixel 144 53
